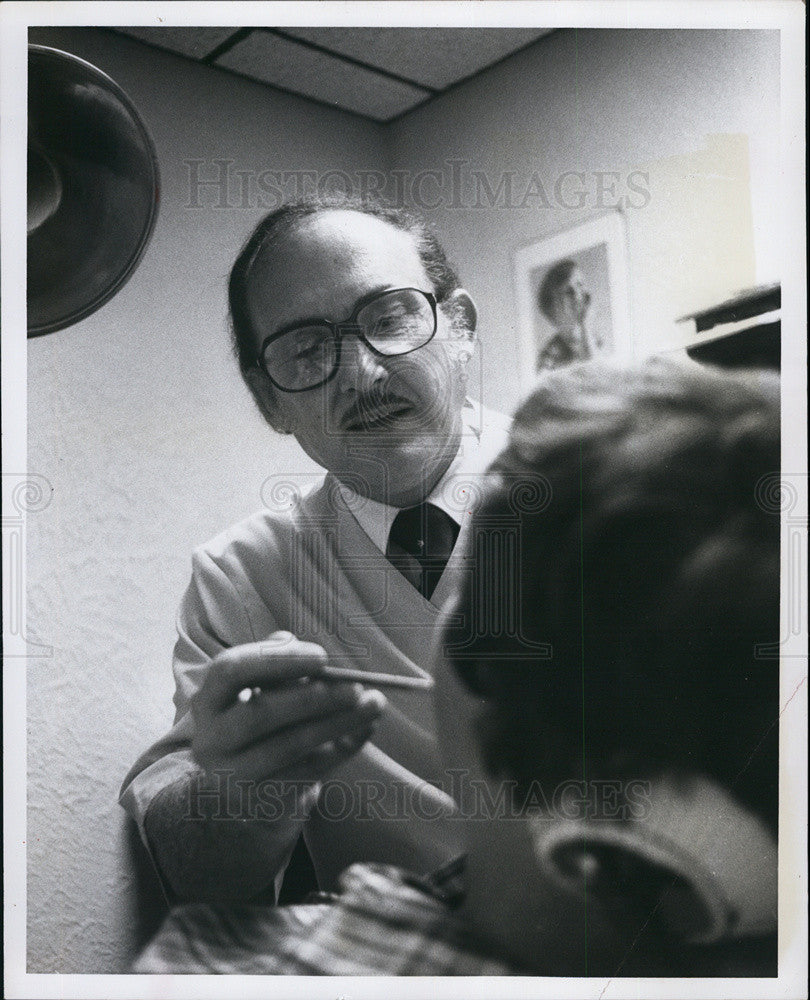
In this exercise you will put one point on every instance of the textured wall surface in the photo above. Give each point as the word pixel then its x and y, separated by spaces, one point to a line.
pixel 139 421
pixel 695 111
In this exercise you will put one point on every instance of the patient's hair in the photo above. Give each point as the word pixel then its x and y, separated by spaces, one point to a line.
pixel 651 567
pixel 278 224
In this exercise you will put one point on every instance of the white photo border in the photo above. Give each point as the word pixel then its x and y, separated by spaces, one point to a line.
pixel 786 16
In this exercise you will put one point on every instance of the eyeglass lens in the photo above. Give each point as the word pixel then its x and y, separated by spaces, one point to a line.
pixel 393 323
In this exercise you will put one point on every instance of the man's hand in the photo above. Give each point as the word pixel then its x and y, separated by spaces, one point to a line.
pixel 296 729
pixel 293 728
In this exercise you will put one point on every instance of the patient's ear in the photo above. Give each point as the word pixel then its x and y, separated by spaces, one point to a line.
pixel 698 866
pixel 622 881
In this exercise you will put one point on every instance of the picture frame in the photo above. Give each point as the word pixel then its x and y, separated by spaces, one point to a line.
pixel 582 273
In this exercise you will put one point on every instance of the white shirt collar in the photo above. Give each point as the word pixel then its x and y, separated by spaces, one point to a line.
pixel 479 445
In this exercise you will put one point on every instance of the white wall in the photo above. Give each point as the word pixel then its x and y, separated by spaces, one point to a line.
pixel 139 421
pixel 696 111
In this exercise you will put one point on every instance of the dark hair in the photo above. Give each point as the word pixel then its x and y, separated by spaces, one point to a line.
pixel 281 221
pixel 652 570
pixel 554 277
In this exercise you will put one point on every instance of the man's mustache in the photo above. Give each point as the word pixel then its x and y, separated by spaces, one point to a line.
pixel 372 406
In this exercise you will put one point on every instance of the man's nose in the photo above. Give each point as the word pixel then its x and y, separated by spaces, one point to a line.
pixel 359 366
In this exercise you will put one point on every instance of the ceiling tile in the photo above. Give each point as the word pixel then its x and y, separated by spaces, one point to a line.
pixel 304 71
pixel 434 57
pixel 196 42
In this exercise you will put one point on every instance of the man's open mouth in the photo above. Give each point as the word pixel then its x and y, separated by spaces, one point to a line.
pixel 379 417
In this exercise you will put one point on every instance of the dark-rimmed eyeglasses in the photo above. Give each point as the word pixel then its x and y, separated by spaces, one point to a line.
pixel 390 323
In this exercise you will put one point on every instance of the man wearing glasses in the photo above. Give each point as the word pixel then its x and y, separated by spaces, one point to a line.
pixel 353 335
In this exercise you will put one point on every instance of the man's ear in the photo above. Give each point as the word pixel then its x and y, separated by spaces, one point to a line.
pixel 265 397
pixel 462 308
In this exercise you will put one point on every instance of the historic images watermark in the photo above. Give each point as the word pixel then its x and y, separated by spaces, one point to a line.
pixel 781 494
pixel 491 568
pixel 23 495
pixel 454 185
pixel 222 796
pixel 386 404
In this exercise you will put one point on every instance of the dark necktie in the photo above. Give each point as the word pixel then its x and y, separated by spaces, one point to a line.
pixel 419 545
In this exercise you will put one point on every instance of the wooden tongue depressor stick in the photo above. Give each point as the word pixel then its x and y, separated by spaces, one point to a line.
pixel 358 676
pixel 376 680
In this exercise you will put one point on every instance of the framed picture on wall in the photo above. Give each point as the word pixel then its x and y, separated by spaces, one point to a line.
pixel 572 296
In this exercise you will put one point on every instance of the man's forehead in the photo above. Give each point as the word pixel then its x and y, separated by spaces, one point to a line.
pixel 328 260
pixel 334 236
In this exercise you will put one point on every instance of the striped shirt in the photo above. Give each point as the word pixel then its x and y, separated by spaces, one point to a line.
pixel 384 922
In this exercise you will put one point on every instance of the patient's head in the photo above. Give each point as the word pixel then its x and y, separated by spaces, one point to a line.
pixel 622 684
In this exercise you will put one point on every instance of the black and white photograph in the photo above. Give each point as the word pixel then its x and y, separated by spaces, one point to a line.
pixel 571 290
pixel 404 499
